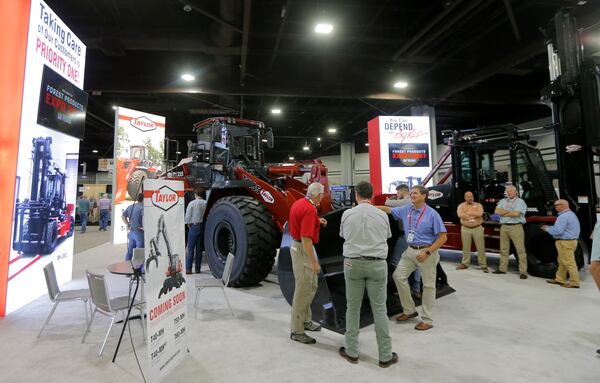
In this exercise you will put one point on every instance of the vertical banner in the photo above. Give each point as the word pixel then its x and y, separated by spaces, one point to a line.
pixel 52 123
pixel 165 287
pixel 399 151
pixel 139 155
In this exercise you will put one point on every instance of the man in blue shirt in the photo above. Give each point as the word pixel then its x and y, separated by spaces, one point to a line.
pixel 512 217
pixel 566 232
pixel 595 258
pixel 194 218
pixel 133 217
pixel 425 234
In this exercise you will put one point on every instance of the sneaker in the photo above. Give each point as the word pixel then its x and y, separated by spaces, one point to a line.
pixel 394 360
pixel 312 326
pixel 303 338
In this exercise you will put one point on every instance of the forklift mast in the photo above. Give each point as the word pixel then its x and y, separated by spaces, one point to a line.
pixel 572 95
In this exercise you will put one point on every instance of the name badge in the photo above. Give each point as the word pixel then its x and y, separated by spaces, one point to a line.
pixel 410 237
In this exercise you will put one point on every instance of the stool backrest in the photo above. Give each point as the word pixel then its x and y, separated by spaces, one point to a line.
pixel 51 283
pixel 99 291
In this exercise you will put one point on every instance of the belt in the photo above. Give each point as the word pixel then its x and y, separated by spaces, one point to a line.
pixel 418 247
pixel 472 227
pixel 567 239
pixel 367 258
pixel 512 224
pixel 297 240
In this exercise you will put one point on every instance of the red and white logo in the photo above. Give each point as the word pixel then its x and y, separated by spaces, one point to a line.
pixel 267 196
pixel 143 123
pixel 165 198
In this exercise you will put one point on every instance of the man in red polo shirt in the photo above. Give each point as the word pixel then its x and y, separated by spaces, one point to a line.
pixel 304 225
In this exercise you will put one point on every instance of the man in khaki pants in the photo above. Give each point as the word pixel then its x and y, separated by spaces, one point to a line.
pixel 595 259
pixel 565 231
pixel 304 225
pixel 471 218
pixel 512 217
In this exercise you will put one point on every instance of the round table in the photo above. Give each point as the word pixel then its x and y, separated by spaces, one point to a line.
pixel 121 268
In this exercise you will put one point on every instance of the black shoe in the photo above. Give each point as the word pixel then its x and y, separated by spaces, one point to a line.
pixel 188 272
pixel 523 276
pixel 342 352
pixel 498 272
pixel 197 272
pixel 394 360
pixel 598 351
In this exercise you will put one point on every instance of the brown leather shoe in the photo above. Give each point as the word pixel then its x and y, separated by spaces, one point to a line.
pixel 523 276
pixel 570 286
pixel 485 269
pixel 342 352
pixel 394 360
pixel 403 317
pixel 422 326
pixel 554 282
pixel 462 266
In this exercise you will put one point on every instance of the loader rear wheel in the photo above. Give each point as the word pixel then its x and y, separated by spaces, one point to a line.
pixel 243 226
pixel 134 185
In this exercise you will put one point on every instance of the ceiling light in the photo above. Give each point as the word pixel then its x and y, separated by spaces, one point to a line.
pixel 187 8
pixel 305 148
pixel 582 2
pixel 177 152
pixel 187 77
pixel 291 158
pixel 331 130
pixel 400 84
pixel 366 144
pixel 318 138
pixel 94 151
pixel 275 111
pixel 114 107
pixel 324 28
pixel 264 140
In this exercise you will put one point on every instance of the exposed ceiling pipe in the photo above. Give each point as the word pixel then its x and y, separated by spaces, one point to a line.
pixel 513 21
pixel 245 36
pixel 211 16
pixel 469 11
pixel 288 7
pixel 423 31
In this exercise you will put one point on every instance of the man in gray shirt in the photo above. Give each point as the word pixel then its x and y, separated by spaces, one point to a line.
pixel 194 218
pixel 83 207
pixel 365 230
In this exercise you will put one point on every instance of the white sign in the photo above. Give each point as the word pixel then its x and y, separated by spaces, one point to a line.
pixel 39 241
pixel 165 287
pixel 139 155
pixel 399 151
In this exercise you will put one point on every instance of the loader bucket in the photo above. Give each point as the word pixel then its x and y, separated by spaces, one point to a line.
pixel 329 305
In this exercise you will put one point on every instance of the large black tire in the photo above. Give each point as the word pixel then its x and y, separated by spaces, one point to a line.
pixel 51 238
pixel 134 185
pixel 243 226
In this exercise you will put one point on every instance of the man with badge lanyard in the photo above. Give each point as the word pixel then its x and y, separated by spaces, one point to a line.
pixel 426 234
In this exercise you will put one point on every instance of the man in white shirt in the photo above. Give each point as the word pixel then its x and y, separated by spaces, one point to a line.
pixel 194 218
pixel 365 230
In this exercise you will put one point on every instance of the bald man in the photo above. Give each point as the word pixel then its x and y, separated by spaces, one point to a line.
pixel 471 219
pixel 566 232
pixel 512 211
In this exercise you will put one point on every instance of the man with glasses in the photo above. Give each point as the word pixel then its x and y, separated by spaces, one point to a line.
pixel 305 226
pixel 512 211
pixel 566 232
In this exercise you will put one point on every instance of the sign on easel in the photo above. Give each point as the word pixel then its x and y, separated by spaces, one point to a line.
pixel 165 287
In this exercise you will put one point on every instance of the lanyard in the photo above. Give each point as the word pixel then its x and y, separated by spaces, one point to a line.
pixel 418 219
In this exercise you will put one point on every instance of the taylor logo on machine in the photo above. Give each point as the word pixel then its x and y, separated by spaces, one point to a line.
pixel 434 194
pixel 165 198
pixel 267 196
pixel 143 123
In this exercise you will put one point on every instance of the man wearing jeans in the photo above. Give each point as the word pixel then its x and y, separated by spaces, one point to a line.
pixel 104 207
pixel 194 218
pixel 305 226
pixel 133 217
pixel 426 233
pixel 365 230
pixel 83 206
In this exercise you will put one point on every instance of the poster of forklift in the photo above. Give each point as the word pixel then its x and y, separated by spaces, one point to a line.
pixel 52 121
pixel 139 155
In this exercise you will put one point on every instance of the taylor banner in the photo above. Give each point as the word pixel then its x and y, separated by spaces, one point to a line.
pixel 165 287
pixel 139 154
